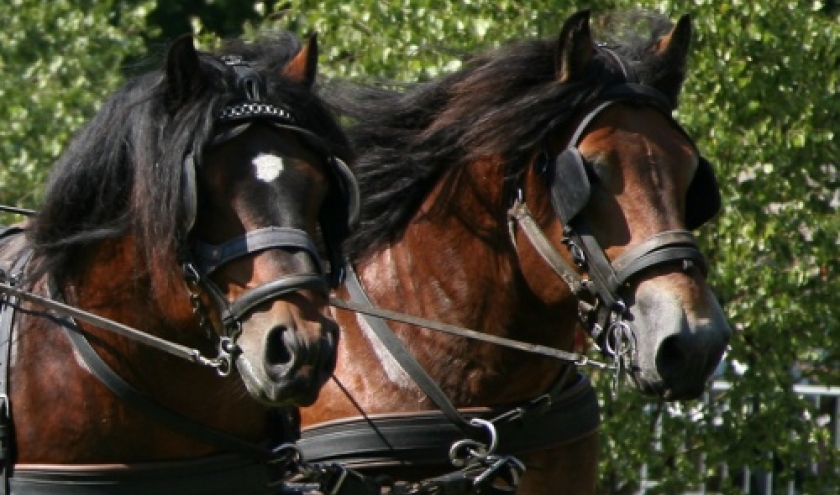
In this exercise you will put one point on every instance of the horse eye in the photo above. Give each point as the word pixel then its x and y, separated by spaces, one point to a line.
pixel 596 170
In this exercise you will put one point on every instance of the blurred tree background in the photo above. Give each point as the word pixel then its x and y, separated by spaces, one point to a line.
pixel 761 100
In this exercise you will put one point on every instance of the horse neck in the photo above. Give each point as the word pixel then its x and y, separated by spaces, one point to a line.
pixel 456 264
pixel 97 426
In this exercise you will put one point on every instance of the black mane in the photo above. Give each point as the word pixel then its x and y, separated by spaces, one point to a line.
pixel 502 103
pixel 122 173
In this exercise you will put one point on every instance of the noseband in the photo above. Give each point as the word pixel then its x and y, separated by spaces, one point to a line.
pixel 200 260
pixel 567 178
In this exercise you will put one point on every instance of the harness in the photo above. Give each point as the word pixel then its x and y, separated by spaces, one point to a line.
pixel 569 410
pixel 248 469
pixel 481 442
pixel 251 468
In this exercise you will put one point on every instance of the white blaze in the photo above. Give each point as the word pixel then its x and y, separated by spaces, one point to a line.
pixel 268 167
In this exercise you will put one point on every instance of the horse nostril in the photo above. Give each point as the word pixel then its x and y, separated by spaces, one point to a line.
pixel 278 352
pixel 672 360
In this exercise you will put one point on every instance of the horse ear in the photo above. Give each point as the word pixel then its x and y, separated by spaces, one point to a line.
pixel 671 52
pixel 574 47
pixel 183 72
pixel 304 66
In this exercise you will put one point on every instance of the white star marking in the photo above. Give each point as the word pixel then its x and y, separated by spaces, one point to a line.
pixel 268 167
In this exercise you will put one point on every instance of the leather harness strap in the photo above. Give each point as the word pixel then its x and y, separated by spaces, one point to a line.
pixel 423 438
pixel 144 404
pixel 428 437
pixel 406 360
pixel 216 475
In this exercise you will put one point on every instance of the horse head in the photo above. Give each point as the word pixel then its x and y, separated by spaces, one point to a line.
pixel 621 188
pixel 540 189
pixel 263 203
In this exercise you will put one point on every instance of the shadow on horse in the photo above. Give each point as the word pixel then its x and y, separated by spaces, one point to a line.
pixel 168 304
pixel 542 189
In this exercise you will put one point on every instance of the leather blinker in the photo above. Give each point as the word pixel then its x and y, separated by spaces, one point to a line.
pixel 703 200
pixel 568 182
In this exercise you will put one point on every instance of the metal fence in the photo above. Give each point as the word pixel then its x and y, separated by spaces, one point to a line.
pixel 754 481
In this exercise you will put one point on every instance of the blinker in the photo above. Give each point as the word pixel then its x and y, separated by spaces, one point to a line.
pixel 570 188
pixel 703 201
pixel 568 184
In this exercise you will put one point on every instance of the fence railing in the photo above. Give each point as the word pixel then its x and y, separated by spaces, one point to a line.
pixel 756 481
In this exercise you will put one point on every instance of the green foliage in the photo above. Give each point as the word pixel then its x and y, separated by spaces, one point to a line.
pixel 761 99
pixel 416 40
pixel 59 59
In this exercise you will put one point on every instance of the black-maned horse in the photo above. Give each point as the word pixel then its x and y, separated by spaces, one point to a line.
pixel 169 299
pixel 542 189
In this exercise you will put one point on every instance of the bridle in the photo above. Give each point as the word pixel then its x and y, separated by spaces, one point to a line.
pixel 199 260
pixel 601 307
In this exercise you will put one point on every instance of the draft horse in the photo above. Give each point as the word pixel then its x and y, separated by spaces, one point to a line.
pixel 169 301
pixel 543 188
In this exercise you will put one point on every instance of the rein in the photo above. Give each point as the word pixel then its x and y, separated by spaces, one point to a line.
pixel 187 353
pixel 541 350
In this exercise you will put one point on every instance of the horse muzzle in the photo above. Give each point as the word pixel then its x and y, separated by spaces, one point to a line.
pixel 290 364
pixel 678 348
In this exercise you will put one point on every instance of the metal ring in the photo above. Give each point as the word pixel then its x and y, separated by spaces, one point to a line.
pixel 490 427
pixel 615 336
pixel 223 365
pixel 619 307
pixel 462 450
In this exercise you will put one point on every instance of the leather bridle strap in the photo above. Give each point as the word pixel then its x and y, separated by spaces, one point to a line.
pixel 521 214
pixel 270 291
pixel 209 257
pixel 205 258
pixel 665 247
